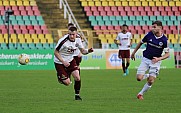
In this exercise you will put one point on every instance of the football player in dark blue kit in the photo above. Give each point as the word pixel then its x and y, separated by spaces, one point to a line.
pixel 156 43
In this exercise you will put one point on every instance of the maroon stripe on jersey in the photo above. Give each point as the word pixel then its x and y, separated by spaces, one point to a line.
pixel 61 43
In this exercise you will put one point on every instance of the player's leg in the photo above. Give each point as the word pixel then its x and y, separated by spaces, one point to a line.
pixel 153 72
pixel 77 82
pixel 121 56
pixel 127 53
pixel 62 75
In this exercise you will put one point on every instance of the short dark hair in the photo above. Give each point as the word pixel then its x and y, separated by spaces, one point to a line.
pixel 158 23
pixel 72 29
pixel 70 24
pixel 124 25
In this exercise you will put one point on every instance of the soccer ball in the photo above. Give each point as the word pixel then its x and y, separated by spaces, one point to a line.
pixel 23 59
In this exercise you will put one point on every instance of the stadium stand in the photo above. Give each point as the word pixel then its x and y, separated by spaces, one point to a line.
pixel 27 27
pixel 108 15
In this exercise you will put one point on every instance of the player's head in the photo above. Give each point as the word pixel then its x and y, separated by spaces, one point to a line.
pixel 70 25
pixel 72 33
pixel 124 28
pixel 156 27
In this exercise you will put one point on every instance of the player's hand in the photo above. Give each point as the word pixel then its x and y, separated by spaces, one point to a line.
pixel 155 60
pixel 119 44
pixel 90 50
pixel 128 46
pixel 133 57
pixel 66 64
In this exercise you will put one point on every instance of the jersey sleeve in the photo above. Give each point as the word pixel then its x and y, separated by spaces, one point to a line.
pixel 166 47
pixel 117 37
pixel 79 41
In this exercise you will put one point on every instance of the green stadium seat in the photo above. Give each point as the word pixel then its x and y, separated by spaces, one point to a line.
pixel 125 18
pixel 160 18
pixel 146 18
pixel 1 22
pixel 94 23
pixel 139 18
pixel 152 18
pixel 118 18
pixel 113 46
pixel 133 45
pixel 12 17
pixel 135 23
pixel 175 22
pixel 173 18
pixel 179 17
pixel 128 22
pixel 142 22
pixel 164 23
pixel 19 18
pixel 105 18
pixel 26 18
pixel 32 46
pixel 91 18
pixel 32 18
pixel 51 45
pixel 39 17
pixel 121 22
pixel 99 18
pixel 149 22
pixel 112 18
pixel 166 18
pixel 24 46
pixel 132 18
pixel 14 22
pixel 18 46
pixel 34 22
pixel 3 46
pixel 39 45
pixel 20 22
pixel 115 23
pixel 107 22
pixel 11 46
pixel 46 46
pixel 101 23
pixel 169 23
pixel 41 22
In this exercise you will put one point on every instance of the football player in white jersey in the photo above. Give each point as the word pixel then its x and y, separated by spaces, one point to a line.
pixel 64 61
pixel 123 40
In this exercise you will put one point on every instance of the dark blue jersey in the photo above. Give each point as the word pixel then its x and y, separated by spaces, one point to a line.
pixel 155 45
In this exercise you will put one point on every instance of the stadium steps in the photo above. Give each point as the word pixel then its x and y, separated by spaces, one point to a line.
pixel 79 14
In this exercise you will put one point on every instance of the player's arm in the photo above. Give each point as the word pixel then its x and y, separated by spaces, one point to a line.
pixel 135 50
pixel 165 56
pixel 85 52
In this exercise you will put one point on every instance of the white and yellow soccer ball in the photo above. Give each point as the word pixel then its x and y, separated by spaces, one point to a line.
pixel 23 59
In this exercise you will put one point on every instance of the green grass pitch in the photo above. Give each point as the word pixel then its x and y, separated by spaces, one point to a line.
pixel 103 91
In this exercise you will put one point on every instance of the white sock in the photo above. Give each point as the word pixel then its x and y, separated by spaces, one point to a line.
pixel 146 87
pixel 145 76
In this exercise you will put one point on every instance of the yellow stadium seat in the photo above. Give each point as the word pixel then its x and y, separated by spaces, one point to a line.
pixel 26 3
pixel 144 3
pixel 136 0
pixel 108 36
pixel 137 3
pixel 103 40
pixel 42 40
pixel 1 39
pixel 33 3
pixel 91 3
pixel 105 3
pixel 29 40
pixel 21 40
pixel 131 3
pixel 171 36
pixel 50 40
pixel 27 36
pixel 1 3
pixel 110 40
pixel 151 3
pixel 34 36
pixel 176 36
pixel 98 3
pixel 13 38
pixel 41 36
pixel 101 36
pixel 19 3
pixel 124 3
pixel 6 3
pixel 178 3
pixel 48 36
pixel 171 3
pixel 12 3
pixel 158 3
pixel 117 3
pixel 111 3
pixel 84 3
pixel 114 36
pixel 164 3
pixel 20 36
pixel 36 40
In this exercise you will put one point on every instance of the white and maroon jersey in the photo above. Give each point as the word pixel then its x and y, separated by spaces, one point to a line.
pixel 67 48
pixel 125 40
pixel 77 51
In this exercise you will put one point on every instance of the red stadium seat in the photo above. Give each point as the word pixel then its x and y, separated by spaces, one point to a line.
pixel 110 27
pixel 179 8
pixel 173 27
pixel 21 8
pixel 36 27
pixel 177 13
pixel 137 13
pixel 22 27
pixel 100 8
pixel 175 31
pixel 14 8
pixel 43 27
pixel 147 8
pixel 2 8
pixel 134 8
pixel 110 13
pixel 93 8
pixel 103 27
pixel 138 27
pixel 117 27
pixel 170 13
pixel 114 8
pixel 31 31
pixel 127 8
pixel 30 27
pixel 168 8
pixel 38 31
pixel 130 13
pixel 120 8
pixel 123 13
pixel 16 27
pixel 87 8
pixel 96 13
pixel 35 8
pixel 156 13
pixel 174 8
pixel 107 8
pixel 16 12
pixel 150 13
pixel 140 31
pixel 154 8
pixel 18 31
pixel 103 13
pixel 116 13
pixel 45 32
pixel 23 12
pixel 4 31
pixel 89 13
pixel 30 12
pixel 168 31
pixel 96 27
pixel 131 28
pixel 28 8
pixel 163 13
pixel 161 8
pixel 140 8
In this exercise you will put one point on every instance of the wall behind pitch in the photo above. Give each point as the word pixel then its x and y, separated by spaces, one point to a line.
pixel 99 59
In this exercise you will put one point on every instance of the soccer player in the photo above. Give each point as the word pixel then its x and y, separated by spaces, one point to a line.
pixel 156 43
pixel 64 62
pixel 123 40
